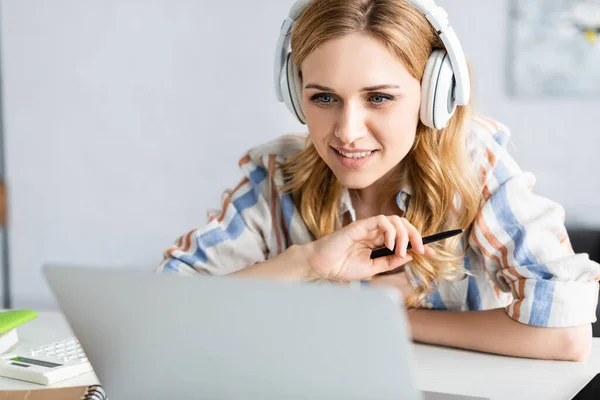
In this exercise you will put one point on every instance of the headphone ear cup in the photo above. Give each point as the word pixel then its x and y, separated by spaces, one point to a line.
pixel 284 86
pixel 428 89
pixel 294 89
pixel 437 91
pixel 444 105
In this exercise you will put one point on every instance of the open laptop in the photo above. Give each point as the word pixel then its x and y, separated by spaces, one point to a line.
pixel 154 336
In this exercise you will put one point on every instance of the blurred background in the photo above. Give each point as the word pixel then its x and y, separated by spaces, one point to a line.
pixel 123 120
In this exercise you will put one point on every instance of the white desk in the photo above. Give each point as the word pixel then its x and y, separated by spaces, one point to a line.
pixel 438 369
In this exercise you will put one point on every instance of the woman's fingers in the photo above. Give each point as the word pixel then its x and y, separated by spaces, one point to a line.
pixel 415 237
pixel 429 251
pixel 370 229
pixel 401 235
pixel 406 232
pixel 393 232
pixel 388 230
pixel 388 263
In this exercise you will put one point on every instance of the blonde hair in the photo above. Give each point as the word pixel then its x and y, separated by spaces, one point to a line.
pixel 445 194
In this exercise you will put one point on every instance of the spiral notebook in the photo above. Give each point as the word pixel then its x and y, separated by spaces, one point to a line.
pixel 94 392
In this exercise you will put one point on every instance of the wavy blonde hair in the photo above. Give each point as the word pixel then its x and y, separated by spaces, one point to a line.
pixel 445 193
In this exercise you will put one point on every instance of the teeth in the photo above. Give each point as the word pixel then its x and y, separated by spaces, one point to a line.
pixel 355 155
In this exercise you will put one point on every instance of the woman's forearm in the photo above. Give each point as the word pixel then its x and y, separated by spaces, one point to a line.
pixel 291 265
pixel 493 331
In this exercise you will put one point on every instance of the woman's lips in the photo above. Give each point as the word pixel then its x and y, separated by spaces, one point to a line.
pixel 354 163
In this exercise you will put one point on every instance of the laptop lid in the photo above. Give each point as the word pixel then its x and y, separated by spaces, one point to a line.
pixel 159 336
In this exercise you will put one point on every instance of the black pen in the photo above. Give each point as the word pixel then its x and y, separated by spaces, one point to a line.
pixel 427 239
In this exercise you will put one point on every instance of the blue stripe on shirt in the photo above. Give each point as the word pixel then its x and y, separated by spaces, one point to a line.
pixel 501 138
pixel 473 295
pixel 436 300
pixel 287 204
pixel 171 266
pixel 247 200
pixel 235 227
pixel 542 302
pixel 540 311
pixel 257 176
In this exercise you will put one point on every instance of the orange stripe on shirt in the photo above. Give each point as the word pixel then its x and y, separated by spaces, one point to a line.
pixel 491 239
pixel 516 305
pixel 229 197
pixel 486 190
pixel 519 288
pixel 188 240
pixel 244 160
pixel 226 204
pixel 491 157
pixel 488 255
pixel 274 196
pixel 286 233
pixel 492 162
pixel 517 309
pixel 170 251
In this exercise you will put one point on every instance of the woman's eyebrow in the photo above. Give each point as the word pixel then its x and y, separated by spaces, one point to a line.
pixel 379 87
pixel 365 89
pixel 319 87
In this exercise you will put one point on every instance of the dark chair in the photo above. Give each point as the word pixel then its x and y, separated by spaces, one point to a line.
pixel 587 241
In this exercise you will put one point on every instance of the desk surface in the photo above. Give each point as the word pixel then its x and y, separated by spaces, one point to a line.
pixel 438 369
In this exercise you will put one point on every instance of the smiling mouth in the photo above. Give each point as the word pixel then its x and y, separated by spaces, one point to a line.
pixel 357 155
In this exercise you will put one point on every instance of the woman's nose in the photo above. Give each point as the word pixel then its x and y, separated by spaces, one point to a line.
pixel 351 124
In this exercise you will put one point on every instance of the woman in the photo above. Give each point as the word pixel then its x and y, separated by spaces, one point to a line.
pixel 380 168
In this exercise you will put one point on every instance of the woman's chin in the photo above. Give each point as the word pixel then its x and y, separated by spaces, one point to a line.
pixel 355 180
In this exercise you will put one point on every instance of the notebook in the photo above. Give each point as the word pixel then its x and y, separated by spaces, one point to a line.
pixel 94 392
pixel 12 318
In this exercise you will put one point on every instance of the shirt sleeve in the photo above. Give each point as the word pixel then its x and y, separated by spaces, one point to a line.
pixel 521 237
pixel 232 240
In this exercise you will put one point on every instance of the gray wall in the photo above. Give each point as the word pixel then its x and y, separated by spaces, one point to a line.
pixel 124 121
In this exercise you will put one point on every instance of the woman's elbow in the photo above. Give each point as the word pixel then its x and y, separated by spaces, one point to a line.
pixel 577 343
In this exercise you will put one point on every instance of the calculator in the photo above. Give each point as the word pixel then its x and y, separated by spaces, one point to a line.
pixel 46 364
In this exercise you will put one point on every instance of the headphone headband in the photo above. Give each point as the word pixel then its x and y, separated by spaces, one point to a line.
pixel 436 16
pixel 283 43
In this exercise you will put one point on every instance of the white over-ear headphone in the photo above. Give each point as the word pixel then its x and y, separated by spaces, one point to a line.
pixel 445 83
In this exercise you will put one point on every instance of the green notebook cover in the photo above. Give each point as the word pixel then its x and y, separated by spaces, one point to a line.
pixel 12 319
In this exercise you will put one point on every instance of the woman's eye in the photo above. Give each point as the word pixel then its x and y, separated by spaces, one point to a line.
pixel 381 98
pixel 322 98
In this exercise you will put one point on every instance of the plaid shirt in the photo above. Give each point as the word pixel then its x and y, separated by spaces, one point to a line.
pixel 517 248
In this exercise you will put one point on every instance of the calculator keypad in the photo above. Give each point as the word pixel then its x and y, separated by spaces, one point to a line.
pixel 64 350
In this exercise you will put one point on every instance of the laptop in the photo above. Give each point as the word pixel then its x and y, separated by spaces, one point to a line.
pixel 156 336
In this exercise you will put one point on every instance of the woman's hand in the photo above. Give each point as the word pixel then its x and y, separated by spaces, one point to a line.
pixel 344 255
pixel 398 280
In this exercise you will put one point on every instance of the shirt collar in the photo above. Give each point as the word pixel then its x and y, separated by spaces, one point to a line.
pixel 345 205
pixel 403 198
